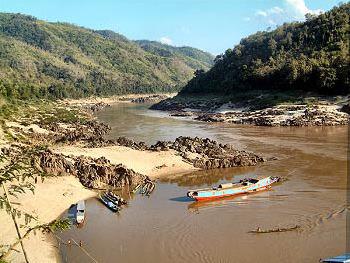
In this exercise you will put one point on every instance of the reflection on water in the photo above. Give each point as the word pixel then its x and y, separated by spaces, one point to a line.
pixel 168 227
pixel 210 177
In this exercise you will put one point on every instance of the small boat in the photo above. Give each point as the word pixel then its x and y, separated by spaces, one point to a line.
pixel 116 199
pixel 109 204
pixel 137 188
pixel 80 215
pixel 229 189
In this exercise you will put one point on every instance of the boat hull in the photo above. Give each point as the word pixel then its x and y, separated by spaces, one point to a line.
pixel 207 198
pixel 236 189
pixel 109 204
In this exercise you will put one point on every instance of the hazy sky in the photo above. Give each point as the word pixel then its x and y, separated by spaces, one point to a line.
pixel 211 25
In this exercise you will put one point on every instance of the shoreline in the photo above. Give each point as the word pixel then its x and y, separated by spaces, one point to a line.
pixel 129 98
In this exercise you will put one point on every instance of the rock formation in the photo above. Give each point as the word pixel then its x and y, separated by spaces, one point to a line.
pixel 92 173
pixel 209 154
pixel 150 98
pixel 281 115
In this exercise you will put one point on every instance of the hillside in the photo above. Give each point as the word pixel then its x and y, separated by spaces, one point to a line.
pixel 193 57
pixel 312 56
pixel 42 59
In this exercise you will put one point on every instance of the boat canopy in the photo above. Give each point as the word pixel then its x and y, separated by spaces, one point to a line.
pixel 81 206
pixel 253 181
pixel 227 185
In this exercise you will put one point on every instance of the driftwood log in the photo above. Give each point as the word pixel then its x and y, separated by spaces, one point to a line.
pixel 274 230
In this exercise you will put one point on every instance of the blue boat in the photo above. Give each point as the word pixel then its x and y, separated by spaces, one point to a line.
pixel 229 189
pixel 343 259
pixel 109 204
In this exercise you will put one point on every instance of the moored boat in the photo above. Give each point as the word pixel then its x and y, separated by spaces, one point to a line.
pixel 109 204
pixel 80 214
pixel 116 199
pixel 229 189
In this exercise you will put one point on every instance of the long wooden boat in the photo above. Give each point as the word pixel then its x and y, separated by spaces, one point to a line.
pixel 109 204
pixel 229 189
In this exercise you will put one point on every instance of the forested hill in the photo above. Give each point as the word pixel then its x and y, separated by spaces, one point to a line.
pixel 193 57
pixel 42 59
pixel 309 56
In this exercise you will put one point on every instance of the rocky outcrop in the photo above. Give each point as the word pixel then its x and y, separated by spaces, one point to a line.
pixel 178 105
pixel 326 113
pixel 291 115
pixel 181 114
pixel 92 173
pixel 97 106
pixel 202 153
pixel 149 99
pixel 95 173
pixel 209 154
pixel 120 141
pixel 55 164
pixel 87 131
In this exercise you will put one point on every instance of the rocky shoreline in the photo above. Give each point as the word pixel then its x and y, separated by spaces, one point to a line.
pixel 150 98
pixel 77 126
pixel 323 113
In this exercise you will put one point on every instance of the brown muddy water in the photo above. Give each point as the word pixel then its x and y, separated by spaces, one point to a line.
pixel 167 227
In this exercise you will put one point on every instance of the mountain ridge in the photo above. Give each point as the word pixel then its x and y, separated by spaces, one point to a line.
pixel 46 59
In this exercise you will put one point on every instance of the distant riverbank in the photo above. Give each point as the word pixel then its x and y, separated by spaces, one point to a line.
pixel 260 109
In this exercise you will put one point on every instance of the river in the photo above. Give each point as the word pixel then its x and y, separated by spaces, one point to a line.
pixel 167 227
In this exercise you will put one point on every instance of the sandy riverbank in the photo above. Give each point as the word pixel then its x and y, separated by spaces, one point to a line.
pixel 50 199
pixel 56 194
pixel 153 164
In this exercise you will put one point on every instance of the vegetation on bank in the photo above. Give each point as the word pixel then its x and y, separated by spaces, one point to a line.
pixel 39 59
pixel 312 56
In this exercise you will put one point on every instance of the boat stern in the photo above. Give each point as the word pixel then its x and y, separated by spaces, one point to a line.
pixel 80 217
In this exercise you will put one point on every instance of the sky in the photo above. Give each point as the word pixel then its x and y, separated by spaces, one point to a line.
pixel 210 25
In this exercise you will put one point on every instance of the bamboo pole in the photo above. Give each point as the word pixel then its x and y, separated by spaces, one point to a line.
pixel 15 223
